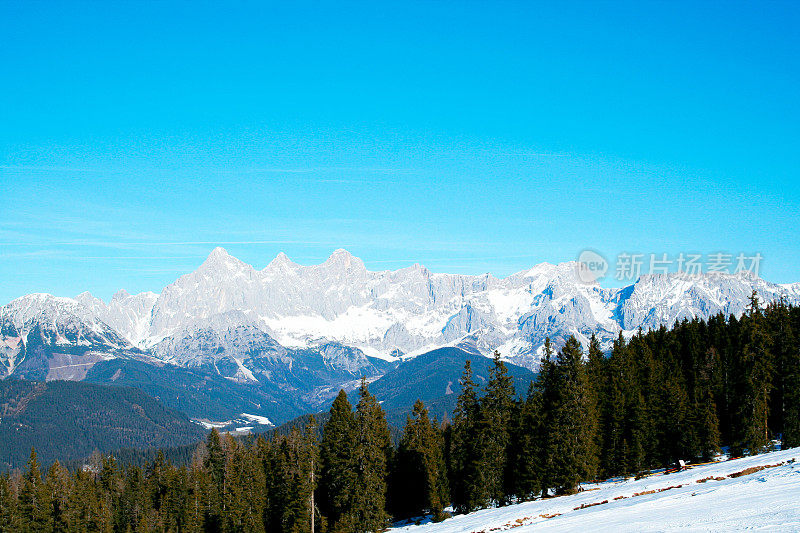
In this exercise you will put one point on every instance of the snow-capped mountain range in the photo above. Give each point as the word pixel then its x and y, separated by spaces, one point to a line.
pixel 242 321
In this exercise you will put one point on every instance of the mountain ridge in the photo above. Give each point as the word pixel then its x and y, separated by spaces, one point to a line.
pixel 227 312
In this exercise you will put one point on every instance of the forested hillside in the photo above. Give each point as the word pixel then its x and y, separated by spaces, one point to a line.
pixel 656 398
pixel 69 420
pixel 433 377
pixel 198 393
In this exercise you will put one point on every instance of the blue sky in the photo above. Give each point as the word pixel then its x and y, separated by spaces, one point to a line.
pixel 467 136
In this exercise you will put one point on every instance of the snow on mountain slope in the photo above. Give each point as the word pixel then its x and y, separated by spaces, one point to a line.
pixel 410 310
pixel 223 341
pixel 665 298
pixel 403 312
pixel 222 283
pixel 338 300
pixel 704 498
pixel 58 338
pixel 128 314
pixel 234 346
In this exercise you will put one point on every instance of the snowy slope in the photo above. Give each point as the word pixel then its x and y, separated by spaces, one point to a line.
pixel 764 500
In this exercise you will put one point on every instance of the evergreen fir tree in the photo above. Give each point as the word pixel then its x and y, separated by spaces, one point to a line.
pixel 86 512
pixel 290 483
pixel 677 428
pixel 730 389
pixel 754 383
pixel 785 396
pixel 612 455
pixel 569 447
pixel 596 381
pixel 791 381
pixel 645 380
pixel 35 509
pixel 134 501
pixel 547 385
pixel 245 491
pixel 57 485
pixel 176 513
pixel 109 485
pixel 704 420
pixel 467 491
pixel 215 462
pixel 314 470
pixel 494 430
pixel 8 505
pixel 526 447
pixel 195 498
pixel 337 455
pixel 368 510
pixel 419 472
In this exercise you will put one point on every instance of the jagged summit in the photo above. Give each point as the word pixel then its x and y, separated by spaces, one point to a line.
pixel 121 295
pixel 280 263
pixel 343 259
pixel 340 252
pixel 220 261
pixel 281 258
pixel 219 255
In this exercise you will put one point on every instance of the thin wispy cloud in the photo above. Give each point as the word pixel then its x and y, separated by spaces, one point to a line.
pixel 263 170
pixel 335 180
pixel 377 170
pixel 527 153
pixel 36 254
pixel 48 168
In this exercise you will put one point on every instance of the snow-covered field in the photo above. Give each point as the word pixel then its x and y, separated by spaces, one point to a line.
pixel 703 498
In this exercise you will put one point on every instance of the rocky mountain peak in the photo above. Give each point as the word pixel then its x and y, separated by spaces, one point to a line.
pixel 86 295
pixel 121 294
pixel 343 259
pixel 220 261
pixel 218 255
pixel 87 299
pixel 280 263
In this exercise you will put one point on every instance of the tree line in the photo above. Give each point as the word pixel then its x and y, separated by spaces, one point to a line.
pixel 654 398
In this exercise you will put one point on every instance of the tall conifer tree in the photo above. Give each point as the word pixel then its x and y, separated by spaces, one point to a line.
pixel 526 449
pixel 791 381
pixel 494 431
pixel 368 512
pixel 420 476
pixel 34 506
pixel 704 417
pixel 754 383
pixel 337 455
pixel 570 443
pixel 8 505
pixel 465 455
